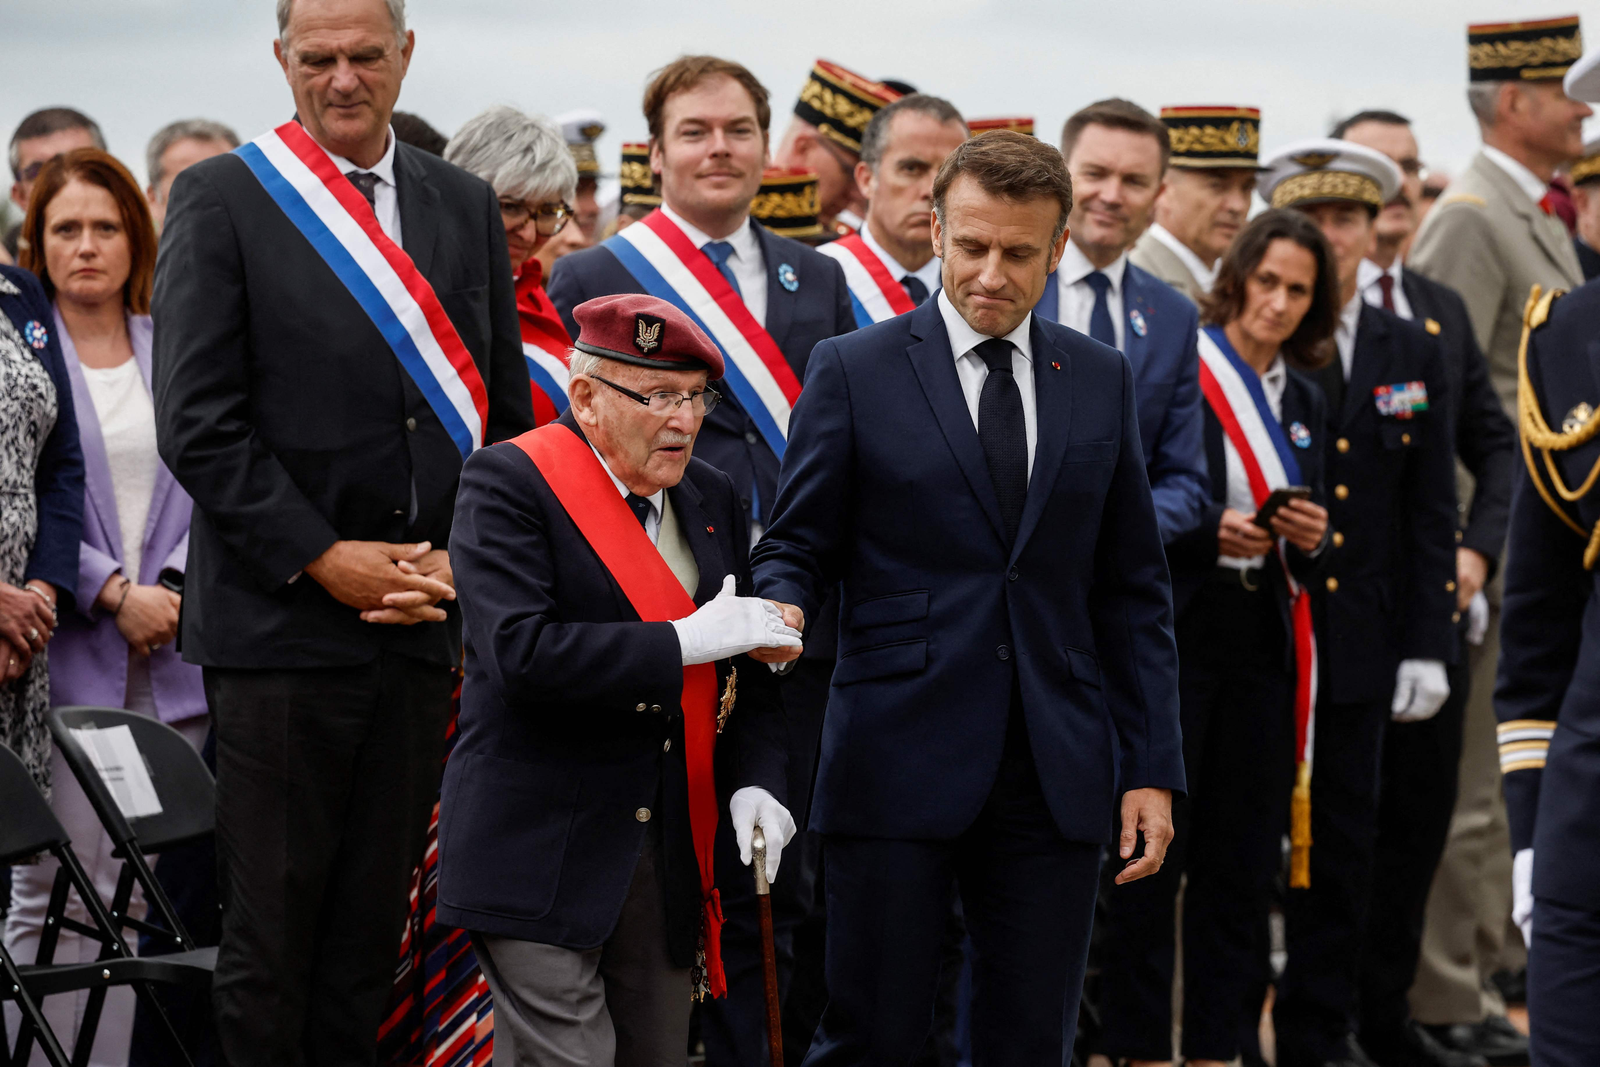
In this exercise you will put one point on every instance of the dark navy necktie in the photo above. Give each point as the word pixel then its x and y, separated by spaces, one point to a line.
pixel 1100 325
pixel 367 183
pixel 915 289
pixel 718 252
pixel 1003 433
pixel 641 509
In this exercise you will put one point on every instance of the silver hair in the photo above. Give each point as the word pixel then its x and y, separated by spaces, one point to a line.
pixel 521 156
pixel 183 130
pixel 1484 99
pixel 397 15
pixel 584 362
pixel 875 141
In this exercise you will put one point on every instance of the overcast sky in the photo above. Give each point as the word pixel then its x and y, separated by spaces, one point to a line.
pixel 135 65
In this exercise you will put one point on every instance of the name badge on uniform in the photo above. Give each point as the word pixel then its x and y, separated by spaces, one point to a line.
pixel 1402 399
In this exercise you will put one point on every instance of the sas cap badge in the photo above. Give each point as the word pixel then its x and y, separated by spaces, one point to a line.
pixel 647 333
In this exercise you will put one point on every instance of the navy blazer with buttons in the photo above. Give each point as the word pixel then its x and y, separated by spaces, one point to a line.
pixel 570 714
pixel 885 490
pixel 1166 376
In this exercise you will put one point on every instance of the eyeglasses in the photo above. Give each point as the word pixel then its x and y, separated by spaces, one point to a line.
pixel 663 405
pixel 549 218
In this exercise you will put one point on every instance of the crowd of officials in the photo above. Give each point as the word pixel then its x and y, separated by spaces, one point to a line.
pixel 1130 709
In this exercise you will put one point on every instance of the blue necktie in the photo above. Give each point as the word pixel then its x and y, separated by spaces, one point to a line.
pixel 915 289
pixel 718 253
pixel 1100 326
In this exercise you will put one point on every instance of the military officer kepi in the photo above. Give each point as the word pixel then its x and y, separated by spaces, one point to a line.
pixel 1547 695
pixel 1385 615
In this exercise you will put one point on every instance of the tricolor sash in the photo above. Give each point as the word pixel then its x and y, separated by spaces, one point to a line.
pixel 591 500
pixel 1233 391
pixel 547 371
pixel 322 204
pixel 667 265
pixel 874 294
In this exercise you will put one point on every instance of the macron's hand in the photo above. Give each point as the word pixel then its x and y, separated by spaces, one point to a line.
pixel 729 625
pixel 752 805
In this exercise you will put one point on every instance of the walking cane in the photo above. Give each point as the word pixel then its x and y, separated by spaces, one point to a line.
pixel 769 959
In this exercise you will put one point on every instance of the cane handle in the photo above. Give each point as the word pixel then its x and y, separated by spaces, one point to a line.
pixel 758 860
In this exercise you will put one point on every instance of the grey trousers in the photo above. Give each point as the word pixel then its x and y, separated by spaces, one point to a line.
pixel 623 1004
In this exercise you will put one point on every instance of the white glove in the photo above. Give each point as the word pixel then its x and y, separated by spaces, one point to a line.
pixel 1420 690
pixel 752 805
pixel 729 625
pixel 1477 618
pixel 1522 893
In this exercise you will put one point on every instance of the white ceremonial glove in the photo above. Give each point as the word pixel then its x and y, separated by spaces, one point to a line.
pixel 752 805
pixel 1420 690
pixel 729 625
pixel 1522 893
pixel 1477 619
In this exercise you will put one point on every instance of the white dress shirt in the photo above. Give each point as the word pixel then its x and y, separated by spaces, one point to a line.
pixel 1344 333
pixel 1367 280
pixel 1204 275
pixel 1526 180
pixel 927 274
pixel 652 521
pixel 386 196
pixel 1239 497
pixel 1077 296
pixel 747 262
pixel 973 371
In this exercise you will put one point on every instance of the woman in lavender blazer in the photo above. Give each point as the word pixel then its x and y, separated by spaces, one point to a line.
pixel 92 245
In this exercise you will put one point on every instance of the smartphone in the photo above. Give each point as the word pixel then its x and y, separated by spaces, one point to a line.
pixel 1276 500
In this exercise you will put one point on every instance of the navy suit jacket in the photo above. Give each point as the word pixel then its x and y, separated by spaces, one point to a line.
pixel 571 718
pixel 885 490
pixel 1166 377
pixel 1549 680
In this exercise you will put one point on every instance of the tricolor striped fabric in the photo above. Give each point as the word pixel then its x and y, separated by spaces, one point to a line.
pixel 874 294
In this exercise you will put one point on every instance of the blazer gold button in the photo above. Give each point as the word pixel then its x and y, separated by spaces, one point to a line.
pixel 1455 616
pixel 1458 537
pixel 641 707
pixel 643 815
pixel 1450 587
pixel 1333 585
pixel 411 424
pixel 666 746
pixel 1338 539
pixel 1341 491
pixel 1342 444
pixel 656 708
pixel 1405 439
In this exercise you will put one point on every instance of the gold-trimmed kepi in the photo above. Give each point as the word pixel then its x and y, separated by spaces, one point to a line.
pixel 1587 168
pixel 1322 171
pixel 1018 124
pixel 840 103
pixel 581 129
pixel 1213 135
pixel 1523 51
pixel 788 203
pixel 638 183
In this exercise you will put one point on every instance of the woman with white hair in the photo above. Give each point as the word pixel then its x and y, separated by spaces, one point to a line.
pixel 525 159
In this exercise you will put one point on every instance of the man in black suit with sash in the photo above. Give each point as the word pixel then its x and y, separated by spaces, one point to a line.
pixel 323 456
pixel 708 120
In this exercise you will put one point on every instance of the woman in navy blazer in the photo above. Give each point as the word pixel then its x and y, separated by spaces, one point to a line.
pixel 92 244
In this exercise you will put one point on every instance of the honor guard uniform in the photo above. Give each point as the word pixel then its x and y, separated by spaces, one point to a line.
pixel 641 193
pixel 1585 178
pixel 1385 610
pixel 824 136
pixel 582 129
pixel 1225 141
pixel 1021 124
pixel 787 205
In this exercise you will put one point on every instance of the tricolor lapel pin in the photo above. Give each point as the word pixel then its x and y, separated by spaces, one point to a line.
pixel 1056 365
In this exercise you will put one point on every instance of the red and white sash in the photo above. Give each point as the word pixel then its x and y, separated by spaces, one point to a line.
pixel 874 293
pixel 322 204
pixel 1233 391
pixel 590 498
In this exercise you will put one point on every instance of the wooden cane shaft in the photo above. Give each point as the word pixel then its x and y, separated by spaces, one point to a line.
pixel 769 982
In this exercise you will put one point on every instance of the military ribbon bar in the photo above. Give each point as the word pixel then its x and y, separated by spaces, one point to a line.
pixel 874 294
pixel 667 265
pixel 1233 392
pixel 338 222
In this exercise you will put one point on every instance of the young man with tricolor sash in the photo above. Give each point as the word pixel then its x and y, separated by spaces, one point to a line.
pixel 335 333
pixel 890 265
pixel 610 719
pixel 766 302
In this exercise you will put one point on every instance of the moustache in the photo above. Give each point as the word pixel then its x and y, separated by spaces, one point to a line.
pixel 673 439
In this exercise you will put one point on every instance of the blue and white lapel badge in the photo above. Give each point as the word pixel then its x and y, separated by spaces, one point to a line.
pixel 1136 320
pixel 787 277
pixel 1300 435
pixel 35 333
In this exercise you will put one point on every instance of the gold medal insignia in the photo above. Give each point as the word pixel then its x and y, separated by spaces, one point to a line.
pixel 726 707
pixel 1577 418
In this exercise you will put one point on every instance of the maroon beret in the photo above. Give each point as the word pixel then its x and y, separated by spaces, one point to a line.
pixel 644 330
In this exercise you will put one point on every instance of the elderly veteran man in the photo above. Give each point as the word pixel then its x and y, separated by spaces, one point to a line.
pixel 1385 610
pixel 609 711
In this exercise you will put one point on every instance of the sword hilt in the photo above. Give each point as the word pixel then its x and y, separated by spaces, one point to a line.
pixel 758 860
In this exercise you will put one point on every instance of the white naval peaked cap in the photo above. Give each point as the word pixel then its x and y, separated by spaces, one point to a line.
pixel 1323 170
pixel 1583 79
pixel 582 126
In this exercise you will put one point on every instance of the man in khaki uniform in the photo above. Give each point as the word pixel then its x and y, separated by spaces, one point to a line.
pixel 1205 195
pixel 1492 237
